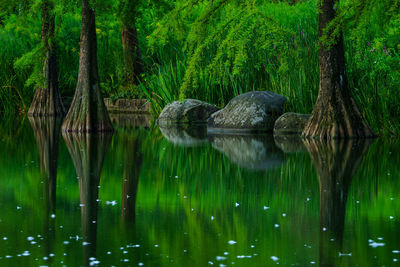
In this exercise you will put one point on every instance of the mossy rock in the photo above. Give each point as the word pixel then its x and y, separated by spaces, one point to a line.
pixel 291 123
pixel 190 111
pixel 250 112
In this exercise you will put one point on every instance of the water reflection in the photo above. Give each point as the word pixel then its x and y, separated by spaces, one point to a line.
pixel 132 166
pixel 335 163
pixel 185 136
pixel 256 152
pixel 47 134
pixel 87 152
pixel 289 143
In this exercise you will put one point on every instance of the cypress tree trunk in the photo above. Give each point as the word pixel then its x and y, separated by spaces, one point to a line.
pixel 47 99
pixel 335 114
pixel 88 112
pixel 335 163
pixel 130 45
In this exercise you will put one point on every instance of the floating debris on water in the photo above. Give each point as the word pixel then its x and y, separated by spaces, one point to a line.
pixel 220 258
pixel 231 242
pixel 274 258
pixel 112 203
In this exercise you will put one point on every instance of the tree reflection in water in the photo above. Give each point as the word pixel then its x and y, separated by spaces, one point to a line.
pixel 47 135
pixel 335 162
pixel 87 153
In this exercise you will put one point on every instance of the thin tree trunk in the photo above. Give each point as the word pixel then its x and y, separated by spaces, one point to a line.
pixel 47 100
pixel 130 45
pixel 335 114
pixel 88 112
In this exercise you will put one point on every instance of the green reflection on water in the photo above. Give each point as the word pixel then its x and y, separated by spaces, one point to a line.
pixel 147 199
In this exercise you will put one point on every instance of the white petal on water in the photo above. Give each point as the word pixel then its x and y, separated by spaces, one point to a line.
pixel 5 238
pixel 344 254
pixel 66 242
pixel 284 214
pixel 312 262
pixel 396 251
pixel 94 263
pixel 375 244
pixel 210 263
pixel 236 204
pixel 140 264
pixel 391 217
pixel 226 253
pixel 231 242
pixel 112 203
pixel 52 216
pixel 276 225
pixel 8 256
pixel 243 256
pixel 323 229
pixel 85 243
pixel 108 252
pixel 395 260
pixel 380 238
pixel 274 258
pixel 220 258
pixel 30 238
pixel 266 208
pixel 212 218
pixel 26 253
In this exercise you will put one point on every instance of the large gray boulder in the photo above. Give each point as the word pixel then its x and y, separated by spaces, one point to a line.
pixel 255 152
pixel 190 136
pixel 250 112
pixel 190 111
pixel 291 123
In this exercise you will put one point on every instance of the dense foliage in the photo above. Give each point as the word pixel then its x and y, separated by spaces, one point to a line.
pixel 213 50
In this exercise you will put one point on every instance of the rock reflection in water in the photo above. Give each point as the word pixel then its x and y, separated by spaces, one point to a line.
pixel 188 136
pixel 47 135
pixel 87 153
pixel 290 143
pixel 256 152
pixel 335 163
pixel 130 120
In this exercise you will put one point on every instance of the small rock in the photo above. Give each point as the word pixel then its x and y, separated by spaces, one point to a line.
pixel 291 123
pixel 190 111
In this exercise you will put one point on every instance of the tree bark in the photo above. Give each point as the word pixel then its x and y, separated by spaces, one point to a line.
pixel 130 45
pixel 88 112
pixel 47 100
pixel 335 163
pixel 335 114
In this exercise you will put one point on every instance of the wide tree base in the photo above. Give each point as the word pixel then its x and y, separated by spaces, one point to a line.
pixel 337 118
pixel 46 104
pixel 87 117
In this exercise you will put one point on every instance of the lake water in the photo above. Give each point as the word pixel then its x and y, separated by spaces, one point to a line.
pixel 174 197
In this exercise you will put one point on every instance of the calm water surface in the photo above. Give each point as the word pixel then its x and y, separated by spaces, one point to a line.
pixel 172 197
